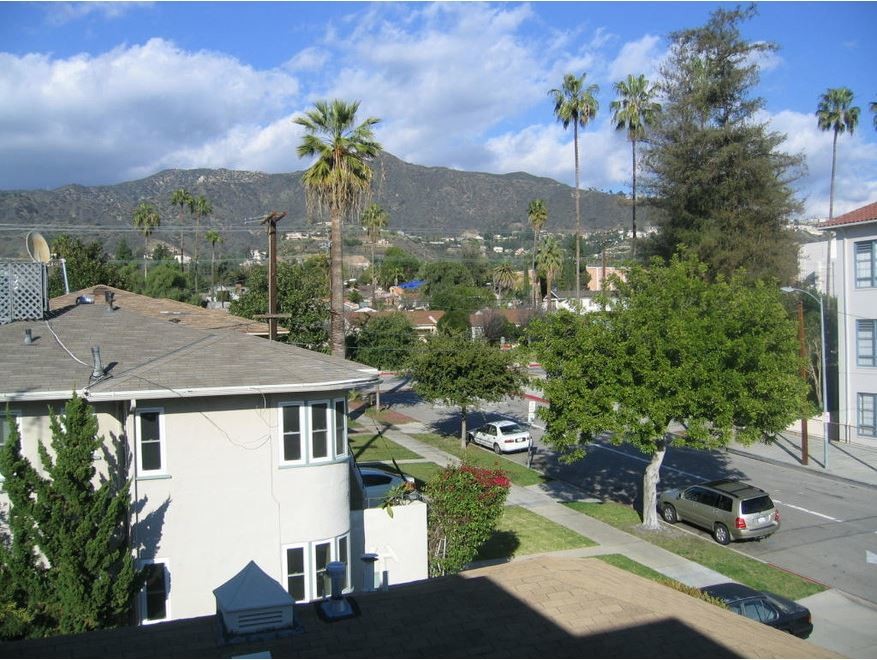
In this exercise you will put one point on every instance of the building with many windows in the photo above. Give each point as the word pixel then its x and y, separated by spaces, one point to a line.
pixel 236 447
pixel 855 285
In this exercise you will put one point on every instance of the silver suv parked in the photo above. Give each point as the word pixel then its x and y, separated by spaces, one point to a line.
pixel 731 510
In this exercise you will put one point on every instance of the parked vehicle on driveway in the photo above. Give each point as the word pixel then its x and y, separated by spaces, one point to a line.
pixel 730 510
pixel 764 606
pixel 377 482
pixel 502 436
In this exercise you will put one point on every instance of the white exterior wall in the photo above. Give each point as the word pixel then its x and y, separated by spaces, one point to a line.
pixel 853 304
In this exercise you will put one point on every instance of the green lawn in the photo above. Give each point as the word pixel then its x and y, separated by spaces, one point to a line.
pixel 726 561
pixel 522 532
pixel 422 472
pixel 519 474
pixel 369 446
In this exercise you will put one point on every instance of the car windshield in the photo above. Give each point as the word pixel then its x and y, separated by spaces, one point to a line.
pixel 756 504
pixel 508 429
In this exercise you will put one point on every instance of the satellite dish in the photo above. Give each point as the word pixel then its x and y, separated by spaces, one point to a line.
pixel 38 248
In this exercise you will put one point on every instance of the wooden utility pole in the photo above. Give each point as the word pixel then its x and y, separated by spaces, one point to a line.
pixel 803 350
pixel 271 220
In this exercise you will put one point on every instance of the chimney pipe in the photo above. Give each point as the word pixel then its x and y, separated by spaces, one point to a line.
pixel 109 296
pixel 97 370
pixel 28 336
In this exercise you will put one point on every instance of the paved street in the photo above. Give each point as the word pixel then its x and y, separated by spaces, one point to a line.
pixel 829 528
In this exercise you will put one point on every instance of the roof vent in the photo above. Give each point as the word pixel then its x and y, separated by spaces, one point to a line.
pixel 337 607
pixel 28 336
pixel 97 368
pixel 252 602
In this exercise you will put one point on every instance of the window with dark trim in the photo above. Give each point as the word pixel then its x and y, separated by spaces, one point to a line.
pixel 867 422
pixel 154 595
pixel 150 442
pixel 865 255
pixel 866 342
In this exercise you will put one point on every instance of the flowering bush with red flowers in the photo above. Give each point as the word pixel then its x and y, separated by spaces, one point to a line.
pixel 465 503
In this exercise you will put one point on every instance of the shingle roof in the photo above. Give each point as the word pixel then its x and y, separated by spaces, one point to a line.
pixel 540 607
pixel 151 358
pixel 865 214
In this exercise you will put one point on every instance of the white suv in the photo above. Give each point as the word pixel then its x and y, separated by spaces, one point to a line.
pixel 502 436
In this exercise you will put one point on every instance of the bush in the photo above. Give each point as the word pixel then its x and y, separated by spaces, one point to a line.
pixel 465 503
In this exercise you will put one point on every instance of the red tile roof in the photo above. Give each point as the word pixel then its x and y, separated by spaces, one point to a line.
pixel 865 214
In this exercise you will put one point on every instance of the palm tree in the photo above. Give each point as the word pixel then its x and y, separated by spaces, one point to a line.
pixel 374 218
pixel 537 214
pixel 339 182
pixel 873 107
pixel 200 207
pixel 183 199
pixel 633 111
pixel 836 113
pixel 550 262
pixel 504 279
pixel 146 219
pixel 575 104
pixel 213 237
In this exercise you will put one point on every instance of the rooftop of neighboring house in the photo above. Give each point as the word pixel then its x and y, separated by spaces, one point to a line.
pixel 538 607
pixel 143 356
pixel 515 315
pixel 861 215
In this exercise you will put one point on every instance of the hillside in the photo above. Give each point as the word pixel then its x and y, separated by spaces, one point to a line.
pixel 427 201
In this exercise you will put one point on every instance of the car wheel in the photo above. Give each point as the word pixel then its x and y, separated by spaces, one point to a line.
pixel 721 535
pixel 669 514
pixel 496 449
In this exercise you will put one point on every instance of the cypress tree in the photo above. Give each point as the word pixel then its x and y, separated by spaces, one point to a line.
pixel 67 556
pixel 712 167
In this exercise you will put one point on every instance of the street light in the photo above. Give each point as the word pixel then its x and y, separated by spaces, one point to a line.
pixel 789 289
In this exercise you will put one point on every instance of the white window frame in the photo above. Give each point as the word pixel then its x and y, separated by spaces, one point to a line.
pixel 348 585
pixel 141 614
pixel 330 431
pixel 314 577
pixel 861 429
pixel 162 443
pixel 307 571
pixel 343 439
pixel 869 280
pixel 304 434
pixel 866 337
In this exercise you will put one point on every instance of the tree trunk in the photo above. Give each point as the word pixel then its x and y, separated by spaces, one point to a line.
pixel 651 478
pixel 833 162
pixel 633 191
pixel 374 275
pixel 535 245
pixel 336 288
pixel 578 215
pixel 464 435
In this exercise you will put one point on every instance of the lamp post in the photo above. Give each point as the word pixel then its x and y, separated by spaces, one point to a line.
pixel 789 289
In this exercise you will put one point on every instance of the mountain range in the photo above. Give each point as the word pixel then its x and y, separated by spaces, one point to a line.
pixel 424 201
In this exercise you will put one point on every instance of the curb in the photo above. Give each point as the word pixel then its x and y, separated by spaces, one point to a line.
pixel 801 468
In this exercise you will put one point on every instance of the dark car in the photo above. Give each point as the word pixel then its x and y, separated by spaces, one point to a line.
pixel 764 606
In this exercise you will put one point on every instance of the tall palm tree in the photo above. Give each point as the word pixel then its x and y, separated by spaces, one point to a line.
pixel 504 279
pixel 576 104
pixel 550 262
pixel 339 182
pixel 836 113
pixel 537 214
pixel 182 198
pixel 374 218
pixel 146 219
pixel 200 207
pixel 633 111
pixel 213 237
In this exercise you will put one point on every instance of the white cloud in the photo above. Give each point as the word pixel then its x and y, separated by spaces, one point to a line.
pixel 59 13
pixel 642 56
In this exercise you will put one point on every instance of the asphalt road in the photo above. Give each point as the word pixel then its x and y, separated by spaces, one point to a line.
pixel 829 528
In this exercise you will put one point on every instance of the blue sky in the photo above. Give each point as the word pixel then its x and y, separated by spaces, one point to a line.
pixel 97 93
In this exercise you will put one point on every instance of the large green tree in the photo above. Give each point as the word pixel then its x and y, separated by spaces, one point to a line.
pixel 836 113
pixel 537 215
pixel 87 264
pixel 67 562
pixel 575 103
pixel 201 208
pixel 549 262
pixel 718 358
pixel 374 219
pixel 634 111
pixel 146 218
pixel 339 183
pixel 385 342
pixel 457 371
pixel 213 237
pixel 183 199
pixel 712 166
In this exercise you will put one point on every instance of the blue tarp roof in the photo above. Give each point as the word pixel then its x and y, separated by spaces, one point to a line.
pixel 413 284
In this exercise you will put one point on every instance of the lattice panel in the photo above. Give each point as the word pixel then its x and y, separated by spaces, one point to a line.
pixel 23 291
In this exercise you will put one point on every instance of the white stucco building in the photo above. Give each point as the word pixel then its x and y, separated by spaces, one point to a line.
pixel 855 285
pixel 236 448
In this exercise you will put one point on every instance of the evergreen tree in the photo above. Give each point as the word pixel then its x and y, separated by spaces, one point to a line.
pixel 66 561
pixel 715 171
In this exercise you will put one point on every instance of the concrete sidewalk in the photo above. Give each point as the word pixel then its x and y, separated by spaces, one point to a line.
pixel 843 623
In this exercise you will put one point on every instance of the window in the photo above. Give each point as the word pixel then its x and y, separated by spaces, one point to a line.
pixel 313 431
pixel 867 420
pixel 340 427
pixel 154 601
pixel 305 566
pixel 293 428
pixel 866 343
pixel 150 442
pixel 296 574
pixel 866 264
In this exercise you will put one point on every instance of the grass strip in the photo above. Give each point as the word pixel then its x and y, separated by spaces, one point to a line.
pixel 371 446
pixel 518 474
pixel 521 532
pixel 726 561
